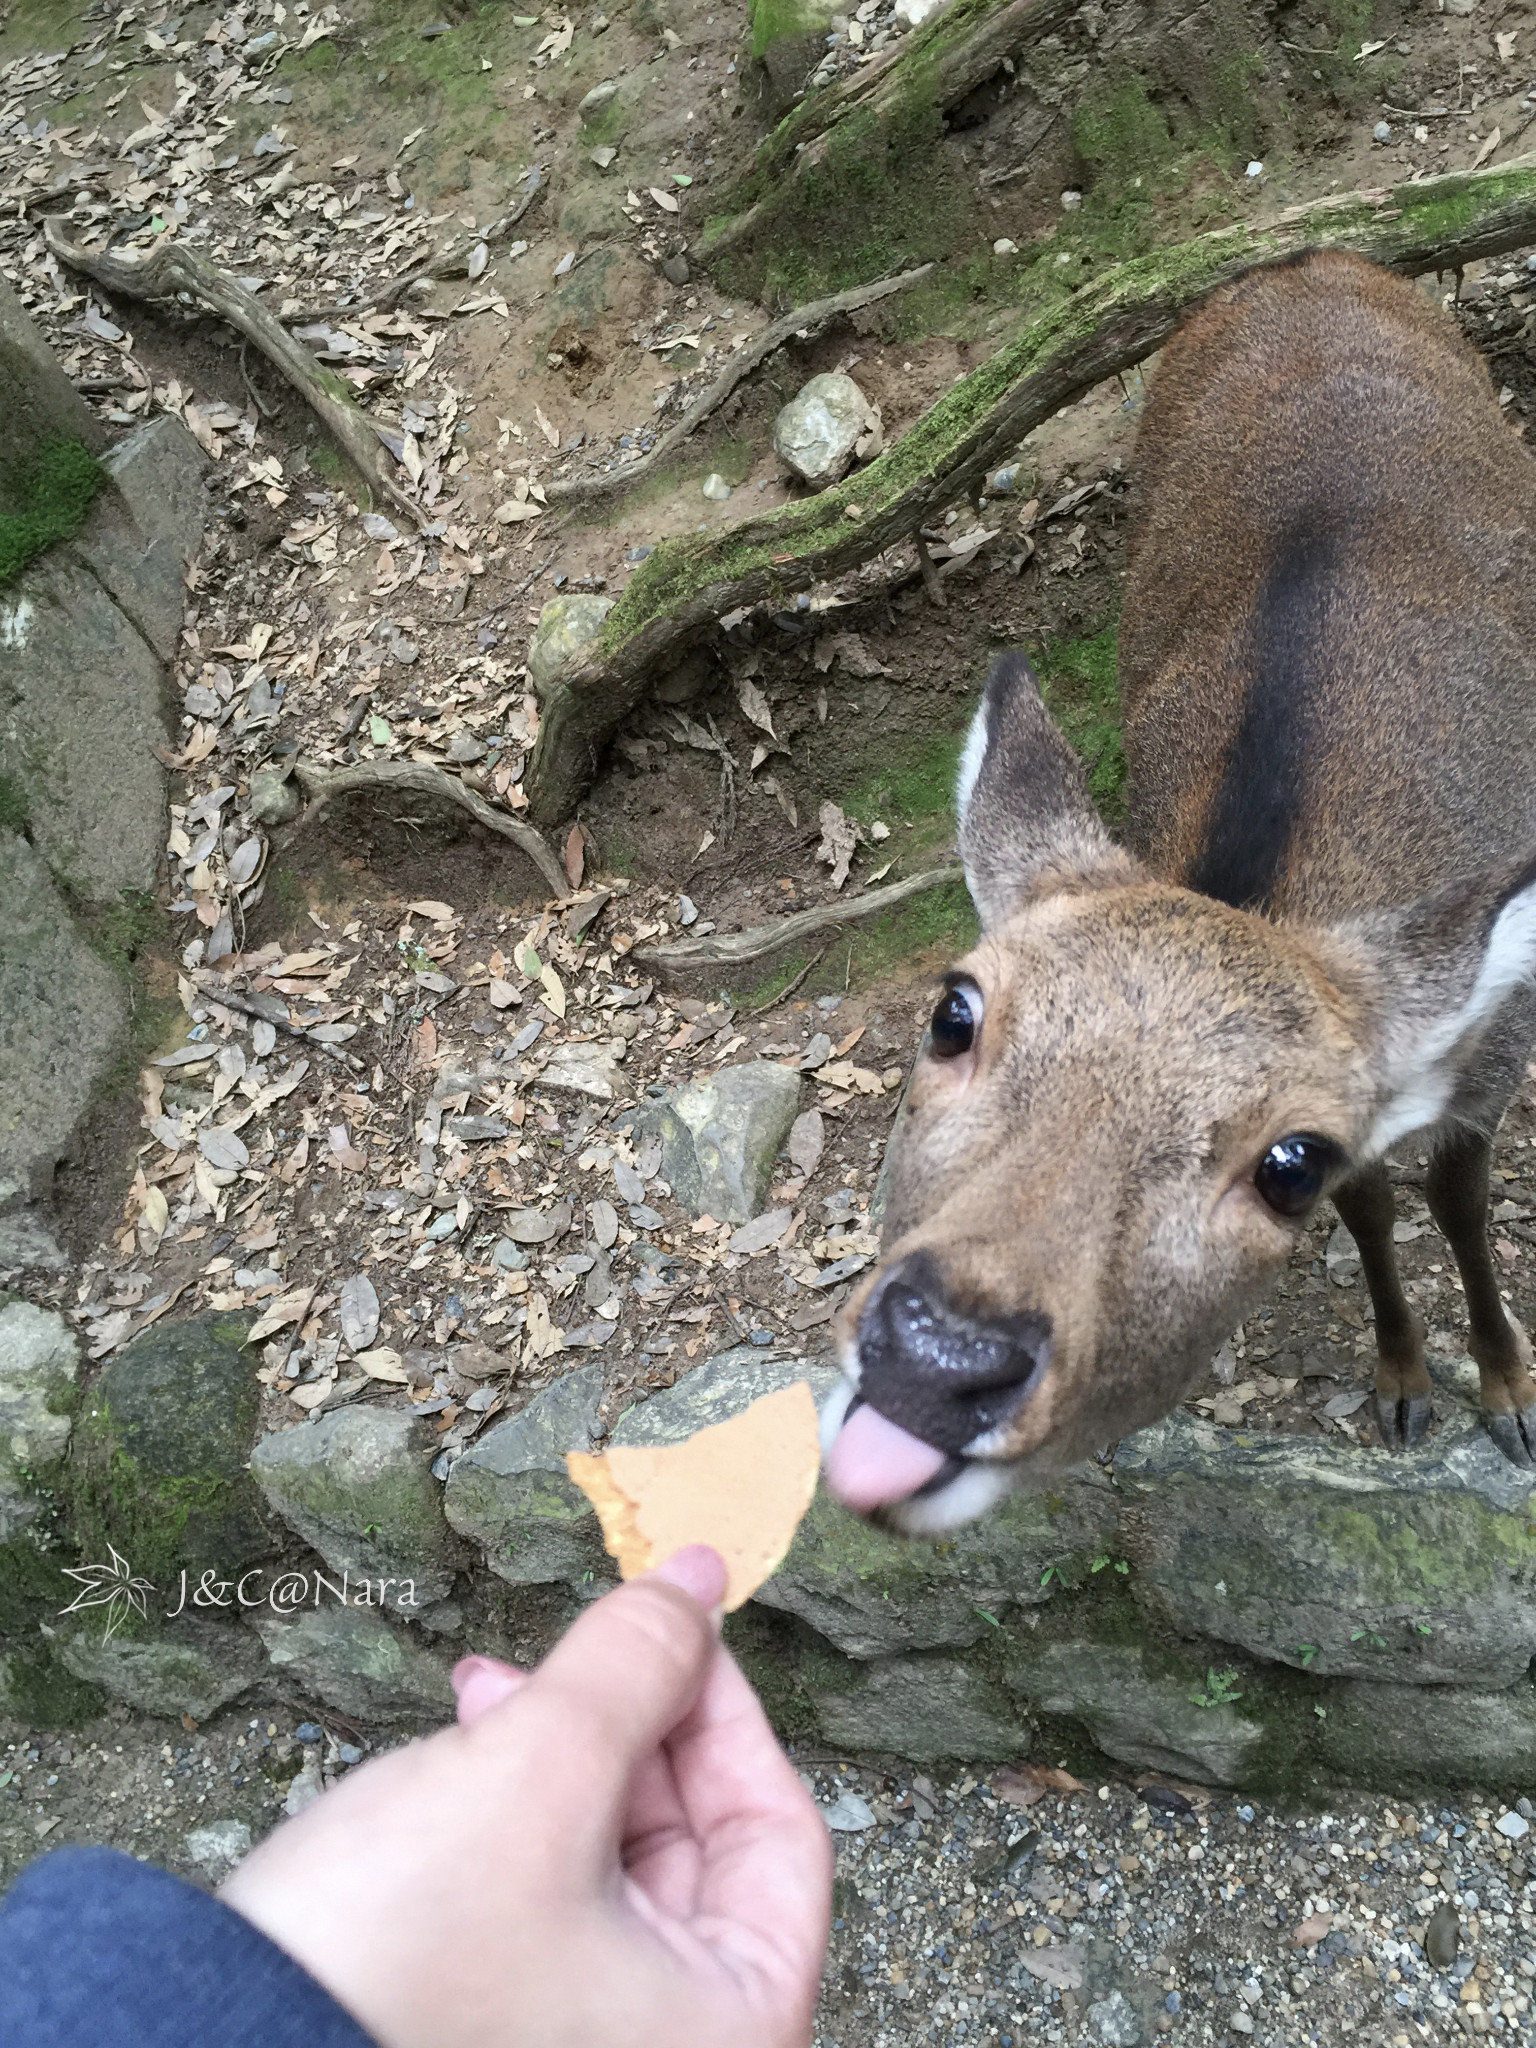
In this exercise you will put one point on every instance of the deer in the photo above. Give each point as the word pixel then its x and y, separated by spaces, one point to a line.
pixel 1314 938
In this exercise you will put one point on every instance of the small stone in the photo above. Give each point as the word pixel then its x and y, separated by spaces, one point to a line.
pixel 464 747
pixel 721 1136
pixel 583 1070
pixel 1113 2021
pixel 509 1257
pixel 348 1753
pixel 676 270
pixel 1255 170
pixel 815 435
pixel 567 627
pixel 1442 1936
pixel 1513 1826
pixel 1071 200
pixel 309 1732
pixel 1382 132
pixel 274 800
pixel 1004 247
pixel 913 13
pixel 218 1847
pixel 598 98
pixel 716 487
pixel 1240 2022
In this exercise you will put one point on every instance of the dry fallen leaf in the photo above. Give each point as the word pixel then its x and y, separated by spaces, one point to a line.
pixel 1024 1784
pixel 383 1364
pixel 663 199
pixel 839 838
pixel 359 1312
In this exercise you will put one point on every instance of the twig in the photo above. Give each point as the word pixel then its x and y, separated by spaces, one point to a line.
pixel 231 999
pixel 324 785
pixel 454 255
pixel 266 411
pixel 171 270
pixel 784 994
pixel 294 1331
pixel 931 582
pixel 732 949
pixel 1418 113
pixel 805 320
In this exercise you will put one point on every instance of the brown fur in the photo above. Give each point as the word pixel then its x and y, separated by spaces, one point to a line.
pixel 1328 660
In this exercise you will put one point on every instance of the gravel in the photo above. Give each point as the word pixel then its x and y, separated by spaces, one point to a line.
pixel 1100 1918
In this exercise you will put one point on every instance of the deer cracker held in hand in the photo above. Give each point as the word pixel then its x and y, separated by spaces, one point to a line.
pixel 1318 941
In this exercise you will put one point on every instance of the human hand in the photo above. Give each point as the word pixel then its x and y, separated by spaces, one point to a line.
pixel 612 1848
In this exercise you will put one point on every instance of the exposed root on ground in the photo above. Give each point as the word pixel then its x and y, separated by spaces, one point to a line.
pixel 735 949
pixel 419 778
pixel 171 271
pixel 689 584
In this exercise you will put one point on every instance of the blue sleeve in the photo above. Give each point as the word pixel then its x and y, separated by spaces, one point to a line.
pixel 98 1950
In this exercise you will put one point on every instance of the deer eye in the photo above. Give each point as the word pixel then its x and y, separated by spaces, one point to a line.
pixel 1293 1173
pixel 957 1020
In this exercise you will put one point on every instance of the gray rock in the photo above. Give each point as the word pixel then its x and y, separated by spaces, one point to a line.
pixel 85 703
pixel 355 1485
pixel 816 433
pixel 1341 1561
pixel 28 1245
pixel 676 270
pixel 567 626
pixel 1397 1735
pixel 146 528
pixel 275 799
pixel 38 1357
pixel 509 1493
pixel 713 1392
pixel 583 1070
pixel 1135 1713
pixel 62 1012
pixel 217 1848
pixel 720 1137
pixel 1113 2020
pixel 593 102
pixel 352 1659
pixel 41 403
pixel 874 1595
pixel 193 1667
pixel 168 1434
pixel 926 1709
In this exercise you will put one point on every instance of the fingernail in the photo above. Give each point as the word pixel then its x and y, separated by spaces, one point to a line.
pixel 699 1571
pixel 482 1683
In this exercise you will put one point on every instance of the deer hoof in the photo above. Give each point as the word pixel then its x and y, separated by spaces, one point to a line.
pixel 1403 1424
pixel 1515 1435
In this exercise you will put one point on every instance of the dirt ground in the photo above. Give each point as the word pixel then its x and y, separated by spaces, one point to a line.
pixel 412 941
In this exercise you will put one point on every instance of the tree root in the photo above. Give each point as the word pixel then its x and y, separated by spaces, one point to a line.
pixel 452 260
pixel 952 63
pixel 1117 320
pixel 419 778
pixel 171 270
pixel 804 321
pixel 735 949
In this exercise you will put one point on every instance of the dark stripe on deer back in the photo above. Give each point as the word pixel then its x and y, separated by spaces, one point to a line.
pixel 1259 797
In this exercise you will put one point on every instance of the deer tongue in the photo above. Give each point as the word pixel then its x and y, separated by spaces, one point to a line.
pixel 874 1463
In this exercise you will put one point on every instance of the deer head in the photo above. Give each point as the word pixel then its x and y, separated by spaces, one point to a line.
pixel 1130 1100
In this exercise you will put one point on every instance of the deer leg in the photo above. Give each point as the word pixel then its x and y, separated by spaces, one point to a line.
pixel 1365 1204
pixel 1457 1191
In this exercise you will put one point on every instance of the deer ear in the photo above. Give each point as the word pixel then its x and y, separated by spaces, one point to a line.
pixel 1454 973
pixel 1026 818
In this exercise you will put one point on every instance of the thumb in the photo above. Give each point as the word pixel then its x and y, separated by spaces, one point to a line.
pixel 629 1671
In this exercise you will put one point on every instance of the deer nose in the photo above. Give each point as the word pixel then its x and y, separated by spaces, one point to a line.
pixel 944 1376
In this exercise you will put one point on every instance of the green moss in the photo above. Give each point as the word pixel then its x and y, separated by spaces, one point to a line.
pixel 13 806
pixel 54 492
pixel 325 462
pixel 113 1502
pixel 33 1593
pixel 1080 684
pixel 774 19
